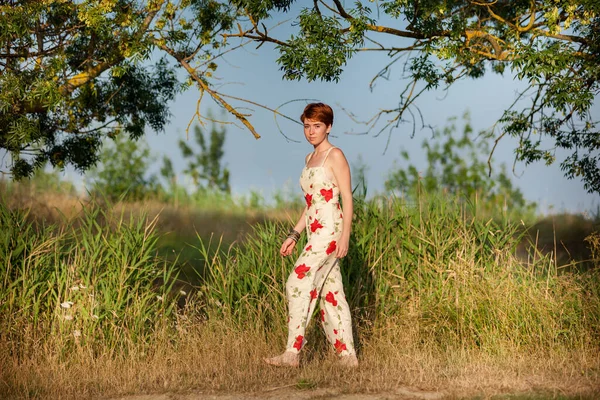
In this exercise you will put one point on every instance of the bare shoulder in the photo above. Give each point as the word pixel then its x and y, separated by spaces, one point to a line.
pixel 337 155
pixel 307 157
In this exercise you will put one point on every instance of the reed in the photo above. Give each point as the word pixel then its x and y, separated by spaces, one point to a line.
pixel 89 307
pixel 98 284
pixel 435 266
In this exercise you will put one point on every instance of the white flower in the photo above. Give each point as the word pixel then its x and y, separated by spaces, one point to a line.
pixel 81 286
pixel 77 333
pixel 94 316
pixel 75 288
pixel 182 292
pixel 160 298
pixel 68 317
pixel 66 304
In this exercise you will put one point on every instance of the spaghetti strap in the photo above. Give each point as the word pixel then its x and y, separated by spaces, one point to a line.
pixel 327 154
pixel 309 158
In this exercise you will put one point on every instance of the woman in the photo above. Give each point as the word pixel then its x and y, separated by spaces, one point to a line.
pixel 316 276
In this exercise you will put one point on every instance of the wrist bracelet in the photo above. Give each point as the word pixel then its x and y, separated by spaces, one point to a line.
pixel 294 235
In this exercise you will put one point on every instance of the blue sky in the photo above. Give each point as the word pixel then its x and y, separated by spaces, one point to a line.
pixel 274 162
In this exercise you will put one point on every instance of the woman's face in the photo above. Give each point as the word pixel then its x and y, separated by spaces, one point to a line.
pixel 315 131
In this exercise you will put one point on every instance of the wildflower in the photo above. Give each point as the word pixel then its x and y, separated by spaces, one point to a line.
pixel 82 286
pixel 68 317
pixel 66 304
pixel 77 333
pixel 159 298
pixel 75 288
pixel 94 316
pixel 182 292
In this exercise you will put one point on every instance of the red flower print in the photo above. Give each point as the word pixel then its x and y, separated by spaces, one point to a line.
pixel 298 343
pixel 315 225
pixel 301 270
pixel 308 248
pixel 339 208
pixel 327 194
pixel 313 294
pixel 335 331
pixel 330 298
pixel 339 346
pixel 322 315
pixel 331 248
pixel 341 215
pixel 308 199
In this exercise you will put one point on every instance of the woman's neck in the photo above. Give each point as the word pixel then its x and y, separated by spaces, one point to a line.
pixel 323 146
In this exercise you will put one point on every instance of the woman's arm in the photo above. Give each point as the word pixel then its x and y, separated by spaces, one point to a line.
pixel 341 172
pixel 288 244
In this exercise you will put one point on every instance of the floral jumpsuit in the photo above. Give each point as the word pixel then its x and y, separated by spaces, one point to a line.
pixel 316 275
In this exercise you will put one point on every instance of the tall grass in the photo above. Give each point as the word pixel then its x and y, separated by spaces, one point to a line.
pixel 98 284
pixel 437 293
pixel 435 269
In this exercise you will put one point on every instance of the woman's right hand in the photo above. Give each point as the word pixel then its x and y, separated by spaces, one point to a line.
pixel 287 247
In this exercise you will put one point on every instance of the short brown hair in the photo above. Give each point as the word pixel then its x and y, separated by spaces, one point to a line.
pixel 318 112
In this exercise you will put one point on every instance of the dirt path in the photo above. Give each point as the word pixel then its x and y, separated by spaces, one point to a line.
pixel 288 393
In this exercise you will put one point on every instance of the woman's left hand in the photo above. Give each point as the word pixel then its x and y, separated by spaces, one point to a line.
pixel 342 247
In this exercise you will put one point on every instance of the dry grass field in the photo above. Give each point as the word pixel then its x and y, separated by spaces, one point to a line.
pixel 92 307
pixel 215 361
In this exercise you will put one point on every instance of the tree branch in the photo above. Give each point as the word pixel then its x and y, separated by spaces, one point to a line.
pixel 521 28
pixel 499 54
pixel 204 87
pixel 381 29
pixel 260 36
pixel 93 72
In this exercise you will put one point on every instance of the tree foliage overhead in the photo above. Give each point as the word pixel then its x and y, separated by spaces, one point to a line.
pixel 551 45
pixel 73 72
